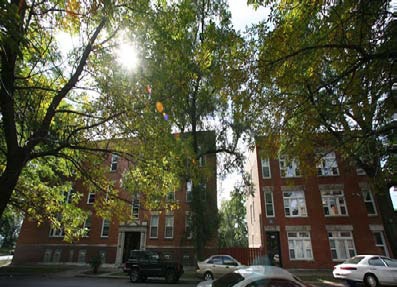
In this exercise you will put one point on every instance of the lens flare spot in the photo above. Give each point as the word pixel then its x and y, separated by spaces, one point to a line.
pixel 165 116
pixel 159 107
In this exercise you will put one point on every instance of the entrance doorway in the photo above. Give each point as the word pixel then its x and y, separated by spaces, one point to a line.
pixel 273 247
pixel 132 240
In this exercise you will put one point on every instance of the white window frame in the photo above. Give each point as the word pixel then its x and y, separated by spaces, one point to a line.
pixel 268 192
pixel 189 190
pixel 328 165
pixel 105 224
pixel 169 226
pixel 288 168
pixel 91 198
pixel 188 225
pixel 56 232
pixel 135 206
pixel 154 225
pixel 87 226
pixel 114 162
pixel 328 197
pixel 298 196
pixel 265 163
pixel 300 243
pixel 343 240
pixel 381 245
pixel 367 192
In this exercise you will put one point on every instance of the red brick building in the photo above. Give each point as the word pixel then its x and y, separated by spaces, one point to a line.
pixel 312 221
pixel 168 231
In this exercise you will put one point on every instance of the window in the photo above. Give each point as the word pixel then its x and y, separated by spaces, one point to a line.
pixel 203 191
pixel 154 226
pixel 91 198
pixel 380 242
pixel 202 161
pixel 269 205
pixel 188 225
pixel 87 226
pixel 105 228
pixel 135 207
pixel 114 162
pixel 265 168
pixel 369 201
pixel 376 261
pixel 333 202
pixel 55 231
pixel 47 255
pixel 360 171
pixel 57 255
pixel 69 195
pixel 169 226
pixel 288 168
pixel 341 244
pixel 189 190
pixel 328 165
pixel 81 256
pixel 102 255
pixel 300 246
pixel 294 203
pixel 170 196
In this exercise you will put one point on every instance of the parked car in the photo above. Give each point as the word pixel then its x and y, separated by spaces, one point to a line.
pixel 147 263
pixel 256 276
pixel 372 270
pixel 216 266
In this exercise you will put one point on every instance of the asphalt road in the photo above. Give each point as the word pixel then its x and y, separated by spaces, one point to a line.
pixel 29 281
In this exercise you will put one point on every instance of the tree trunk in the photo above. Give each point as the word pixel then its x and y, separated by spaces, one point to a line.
pixel 8 181
pixel 389 217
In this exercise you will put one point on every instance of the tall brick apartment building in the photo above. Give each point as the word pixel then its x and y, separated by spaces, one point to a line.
pixel 315 221
pixel 168 231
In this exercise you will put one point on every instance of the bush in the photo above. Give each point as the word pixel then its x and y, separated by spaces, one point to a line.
pixel 95 263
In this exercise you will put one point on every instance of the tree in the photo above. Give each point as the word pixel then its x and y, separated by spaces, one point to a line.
pixel 328 67
pixel 233 228
pixel 194 62
pixel 10 224
pixel 57 112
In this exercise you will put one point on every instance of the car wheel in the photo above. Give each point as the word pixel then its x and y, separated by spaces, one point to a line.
pixel 370 280
pixel 208 276
pixel 170 276
pixel 134 275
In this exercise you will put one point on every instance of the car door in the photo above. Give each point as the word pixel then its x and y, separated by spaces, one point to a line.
pixel 391 268
pixel 379 268
pixel 216 265
pixel 229 263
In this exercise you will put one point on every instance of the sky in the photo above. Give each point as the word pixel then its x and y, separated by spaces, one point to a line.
pixel 242 16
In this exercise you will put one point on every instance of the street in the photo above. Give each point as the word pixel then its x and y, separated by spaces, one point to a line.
pixel 30 281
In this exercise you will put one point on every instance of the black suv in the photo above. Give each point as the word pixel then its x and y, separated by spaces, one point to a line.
pixel 147 263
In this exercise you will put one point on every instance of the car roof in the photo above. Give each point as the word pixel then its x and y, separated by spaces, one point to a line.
pixel 261 271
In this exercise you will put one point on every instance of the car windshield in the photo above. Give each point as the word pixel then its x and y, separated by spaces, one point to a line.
pixel 228 280
pixel 354 260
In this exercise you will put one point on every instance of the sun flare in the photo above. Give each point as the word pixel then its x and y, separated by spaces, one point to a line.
pixel 127 56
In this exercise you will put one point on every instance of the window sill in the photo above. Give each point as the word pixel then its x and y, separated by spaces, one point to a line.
pixel 341 215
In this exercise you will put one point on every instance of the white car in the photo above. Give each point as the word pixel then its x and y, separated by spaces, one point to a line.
pixel 216 266
pixel 256 276
pixel 372 270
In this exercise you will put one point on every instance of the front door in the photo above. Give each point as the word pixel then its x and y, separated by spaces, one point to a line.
pixel 132 241
pixel 273 247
